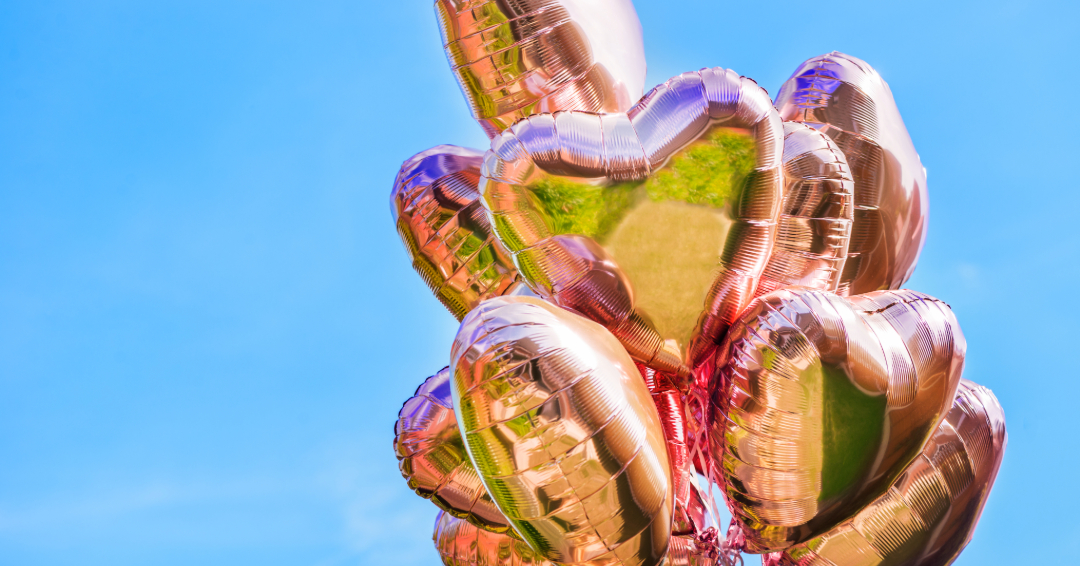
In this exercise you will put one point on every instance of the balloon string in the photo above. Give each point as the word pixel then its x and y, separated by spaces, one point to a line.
pixel 772 559
pixel 707 542
pixel 733 545
pixel 728 549
pixel 698 415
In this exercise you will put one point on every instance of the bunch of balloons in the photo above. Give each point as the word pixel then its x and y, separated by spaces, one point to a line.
pixel 663 295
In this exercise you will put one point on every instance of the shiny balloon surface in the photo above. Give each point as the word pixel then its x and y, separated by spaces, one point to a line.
pixel 436 209
pixel 596 225
pixel 563 432
pixel 522 57
pixel 822 401
pixel 815 219
pixel 848 100
pixel 461 543
pixel 433 460
pixel 929 514
pixel 432 456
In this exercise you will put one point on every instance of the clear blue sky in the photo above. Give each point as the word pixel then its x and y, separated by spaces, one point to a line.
pixel 208 324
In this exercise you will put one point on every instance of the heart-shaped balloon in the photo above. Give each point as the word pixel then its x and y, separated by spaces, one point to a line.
pixel 672 256
pixel 432 457
pixel 446 233
pixel 513 59
pixel 929 514
pixel 848 100
pixel 821 402
pixel 562 430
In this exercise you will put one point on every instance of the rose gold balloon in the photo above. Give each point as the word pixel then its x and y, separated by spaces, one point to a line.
pixel 433 460
pixel 929 514
pixel 815 220
pixel 822 401
pixel 561 428
pixel 461 543
pixel 848 100
pixel 445 231
pixel 513 59
pixel 675 256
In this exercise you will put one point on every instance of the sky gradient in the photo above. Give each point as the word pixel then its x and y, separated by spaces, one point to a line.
pixel 208 323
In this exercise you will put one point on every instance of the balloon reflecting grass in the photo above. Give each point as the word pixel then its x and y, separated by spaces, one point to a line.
pixel 821 402
pixel 663 258
pixel 563 432
pixel 929 514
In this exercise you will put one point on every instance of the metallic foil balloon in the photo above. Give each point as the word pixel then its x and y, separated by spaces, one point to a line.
pixel 438 216
pixel 929 514
pixel 432 457
pixel 562 430
pixel 596 226
pixel 815 220
pixel 521 57
pixel 822 401
pixel 461 543
pixel 846 99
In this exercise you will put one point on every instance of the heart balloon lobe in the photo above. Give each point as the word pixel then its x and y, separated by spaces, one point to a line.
pixel 656 223
pixel 821 402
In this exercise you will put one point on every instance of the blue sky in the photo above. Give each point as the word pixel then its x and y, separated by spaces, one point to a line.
pixel 208 324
